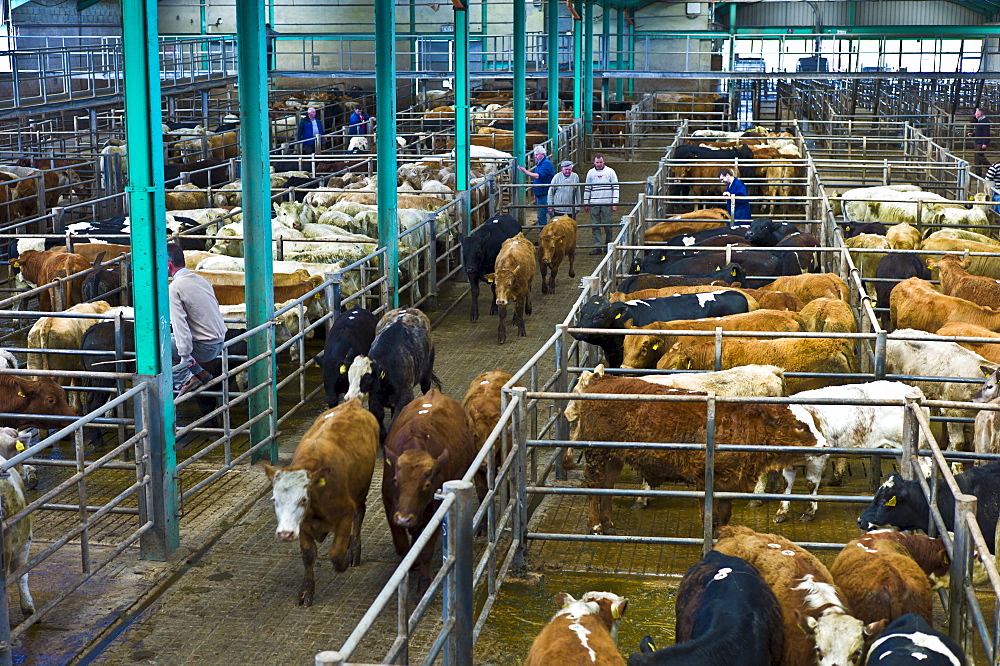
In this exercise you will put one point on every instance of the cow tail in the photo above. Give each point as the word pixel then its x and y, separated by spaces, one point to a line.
pixel 436 381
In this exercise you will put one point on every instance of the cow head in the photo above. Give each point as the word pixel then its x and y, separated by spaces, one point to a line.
pixel 44 397
pixel 642 351
pixel 744 152
pixel 550 249
pixel 596 313
pixel 418 476
pixel 990 390
pixel 896 505
pixel 362 377
pixel 761 230
pixel 611 609
pixel 503 281
pixel 733 272
pixel 290 491
pixel 473 254
pixel 840 639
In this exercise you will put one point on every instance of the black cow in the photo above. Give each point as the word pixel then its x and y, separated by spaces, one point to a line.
pixel 909 640
pixel 895 266
pixel 98 284
pixel 598 312
pixel 725 614
pixel 721 240
pixel 729 274
pixel 901 504
pixel 351 334
pixel 401 355
pixel 204 173
pixel 857 228
pixel 766 232
pixel 226 127
pixel 177 124
pixel 479 254
pixel 808 260
pixel 688 152
pixel 541 128
pixel 761 266
pixel 705 234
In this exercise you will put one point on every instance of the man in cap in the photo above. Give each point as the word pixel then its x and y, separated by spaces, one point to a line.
pixel 542 175
pixel 565 194
pixel 310 132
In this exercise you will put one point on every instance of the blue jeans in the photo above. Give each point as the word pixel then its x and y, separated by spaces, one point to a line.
pixel 543 209
pixel 996 209
pixel 201 352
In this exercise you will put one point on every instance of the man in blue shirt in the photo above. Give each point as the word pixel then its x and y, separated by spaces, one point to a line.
pixel 310 132
pixel 358 124
pixel 739 205
pixel 542 176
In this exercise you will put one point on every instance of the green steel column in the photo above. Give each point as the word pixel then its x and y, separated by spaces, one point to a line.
pixel 606 36
pixel 385 145
pixel 553 85
pixel 149 265
pixel 520 101
pixel 630 81
pixel 413 39
pixel 620 51
pixel 588 71
pixel 578 62
pixel 257 248
pixel 462 120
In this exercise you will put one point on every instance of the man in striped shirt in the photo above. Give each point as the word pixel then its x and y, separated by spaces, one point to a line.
pixel 993 175
pixel 600 199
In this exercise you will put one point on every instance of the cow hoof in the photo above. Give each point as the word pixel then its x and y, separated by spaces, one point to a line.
pixel 752 504
pixel 836 480
pixel 340 564
pixel 780 518
pixel 305 598
pixel 806 517
pixel 641 503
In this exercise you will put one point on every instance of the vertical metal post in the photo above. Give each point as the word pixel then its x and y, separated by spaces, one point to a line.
pixel 588 68
pixel 562 386
pixel 619 51
pixel 462 118
pixel 458 598
pixel 961 567
pixel 578 65
pixel 331 296
pixel 707 531
pixel 520 96
pixel 911 438
pixel 518 441
pixel 552 31
pixel 385 102
pixel 6 658
pixel 254 138
pixel 606 56
pixel 149 256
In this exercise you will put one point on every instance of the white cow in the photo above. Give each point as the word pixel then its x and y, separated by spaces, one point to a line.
pixel 17 540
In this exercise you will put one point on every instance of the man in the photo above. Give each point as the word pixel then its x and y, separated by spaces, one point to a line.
pixel 600 199
pixel 980 140
pixel 310 132
pixel 564 191
pixel 993 175
pixel 739 205
pixel 358 124
pixel 270 34
pixel 542 175
pixel 198 328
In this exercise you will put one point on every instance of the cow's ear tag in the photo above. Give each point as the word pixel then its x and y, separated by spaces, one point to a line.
pixel 321 482
pixel 21 394
pixel 382 375
pixel 734 272
pixel 616 612
pixel 20 446
pixel 618 316
pixel 718 268
pixel 892 501
pixel 656 345
pixel 662 258
pixel 343 369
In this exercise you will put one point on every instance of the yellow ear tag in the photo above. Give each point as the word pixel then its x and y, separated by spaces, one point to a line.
pixel 489 280
pixel 343 369
pixel 718 268
pixel 321 482
pixel 618 316
pixel 382 375
pixel 734 272
pixel 891 502
pixel 656 345
pixel 20 446
pixel 21 394
pixel 616 613
pixel 662 258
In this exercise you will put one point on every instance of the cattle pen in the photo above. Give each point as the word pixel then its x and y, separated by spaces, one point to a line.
pixel 346 160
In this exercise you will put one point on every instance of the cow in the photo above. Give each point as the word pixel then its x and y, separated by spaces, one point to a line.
pixel 819 626
pixel 910 640
pixel 828 315
pixel 325 489
pixel 430 443
pixel 686 223
pixel 600 420
pixel 891 269
pixel 901 504
pixel 11 443
pixel 852 229
pixel 401 355
pixel 861 425
pixel 688 152
pixel 915 303
pixel 17 539
pixel 728 274
pixel 766 232
pixel 582 632
pixel 101 283
pixel 351 335
pixel 956 281
pixel 482 404
pixel 557 240
pixel 598 312
pixel 761 266
pixel 725 614
pixel 512 277
pixel 808 287
pixel 26 397
pixel 693 249
pixel 479 253
pixel 42 268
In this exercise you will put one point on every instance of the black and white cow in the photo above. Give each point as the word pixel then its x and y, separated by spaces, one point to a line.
pixel 351 335
pixel 910 641
pixel 901 504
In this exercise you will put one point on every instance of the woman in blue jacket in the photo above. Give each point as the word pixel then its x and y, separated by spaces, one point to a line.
pixel 739 204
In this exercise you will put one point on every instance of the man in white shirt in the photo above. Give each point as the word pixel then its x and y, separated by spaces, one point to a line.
pixel 600 199
pixel 198 328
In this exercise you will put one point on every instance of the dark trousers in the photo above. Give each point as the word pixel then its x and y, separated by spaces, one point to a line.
pixel 979 160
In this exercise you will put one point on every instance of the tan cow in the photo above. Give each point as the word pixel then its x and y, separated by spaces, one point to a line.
pixel 557 240
pixel 40 268
pixel 582 632
pixel 512 276
pixel 687 223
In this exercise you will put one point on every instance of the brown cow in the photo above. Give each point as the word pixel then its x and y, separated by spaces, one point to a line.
pixel 956 281
pixel 735 471
pixel 40 268
pixel 232 294
pixel 513 272
pixel 42 397
pixel 557 240
pixel 819 627
pixel 686 223
pixel 94 251
pixel 809 286
pixel 582 632
pixel 430 443
pixel 482 404
pixel 325 488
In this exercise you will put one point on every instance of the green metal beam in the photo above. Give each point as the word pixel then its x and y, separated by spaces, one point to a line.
pixel 578 61
pixel 462 118
pixel 606 40
pixel 619 50
pixel 588 68
pixel 553 84
pixel 385 107
pixel 520 94
pixel 147 211
pixel 256 179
